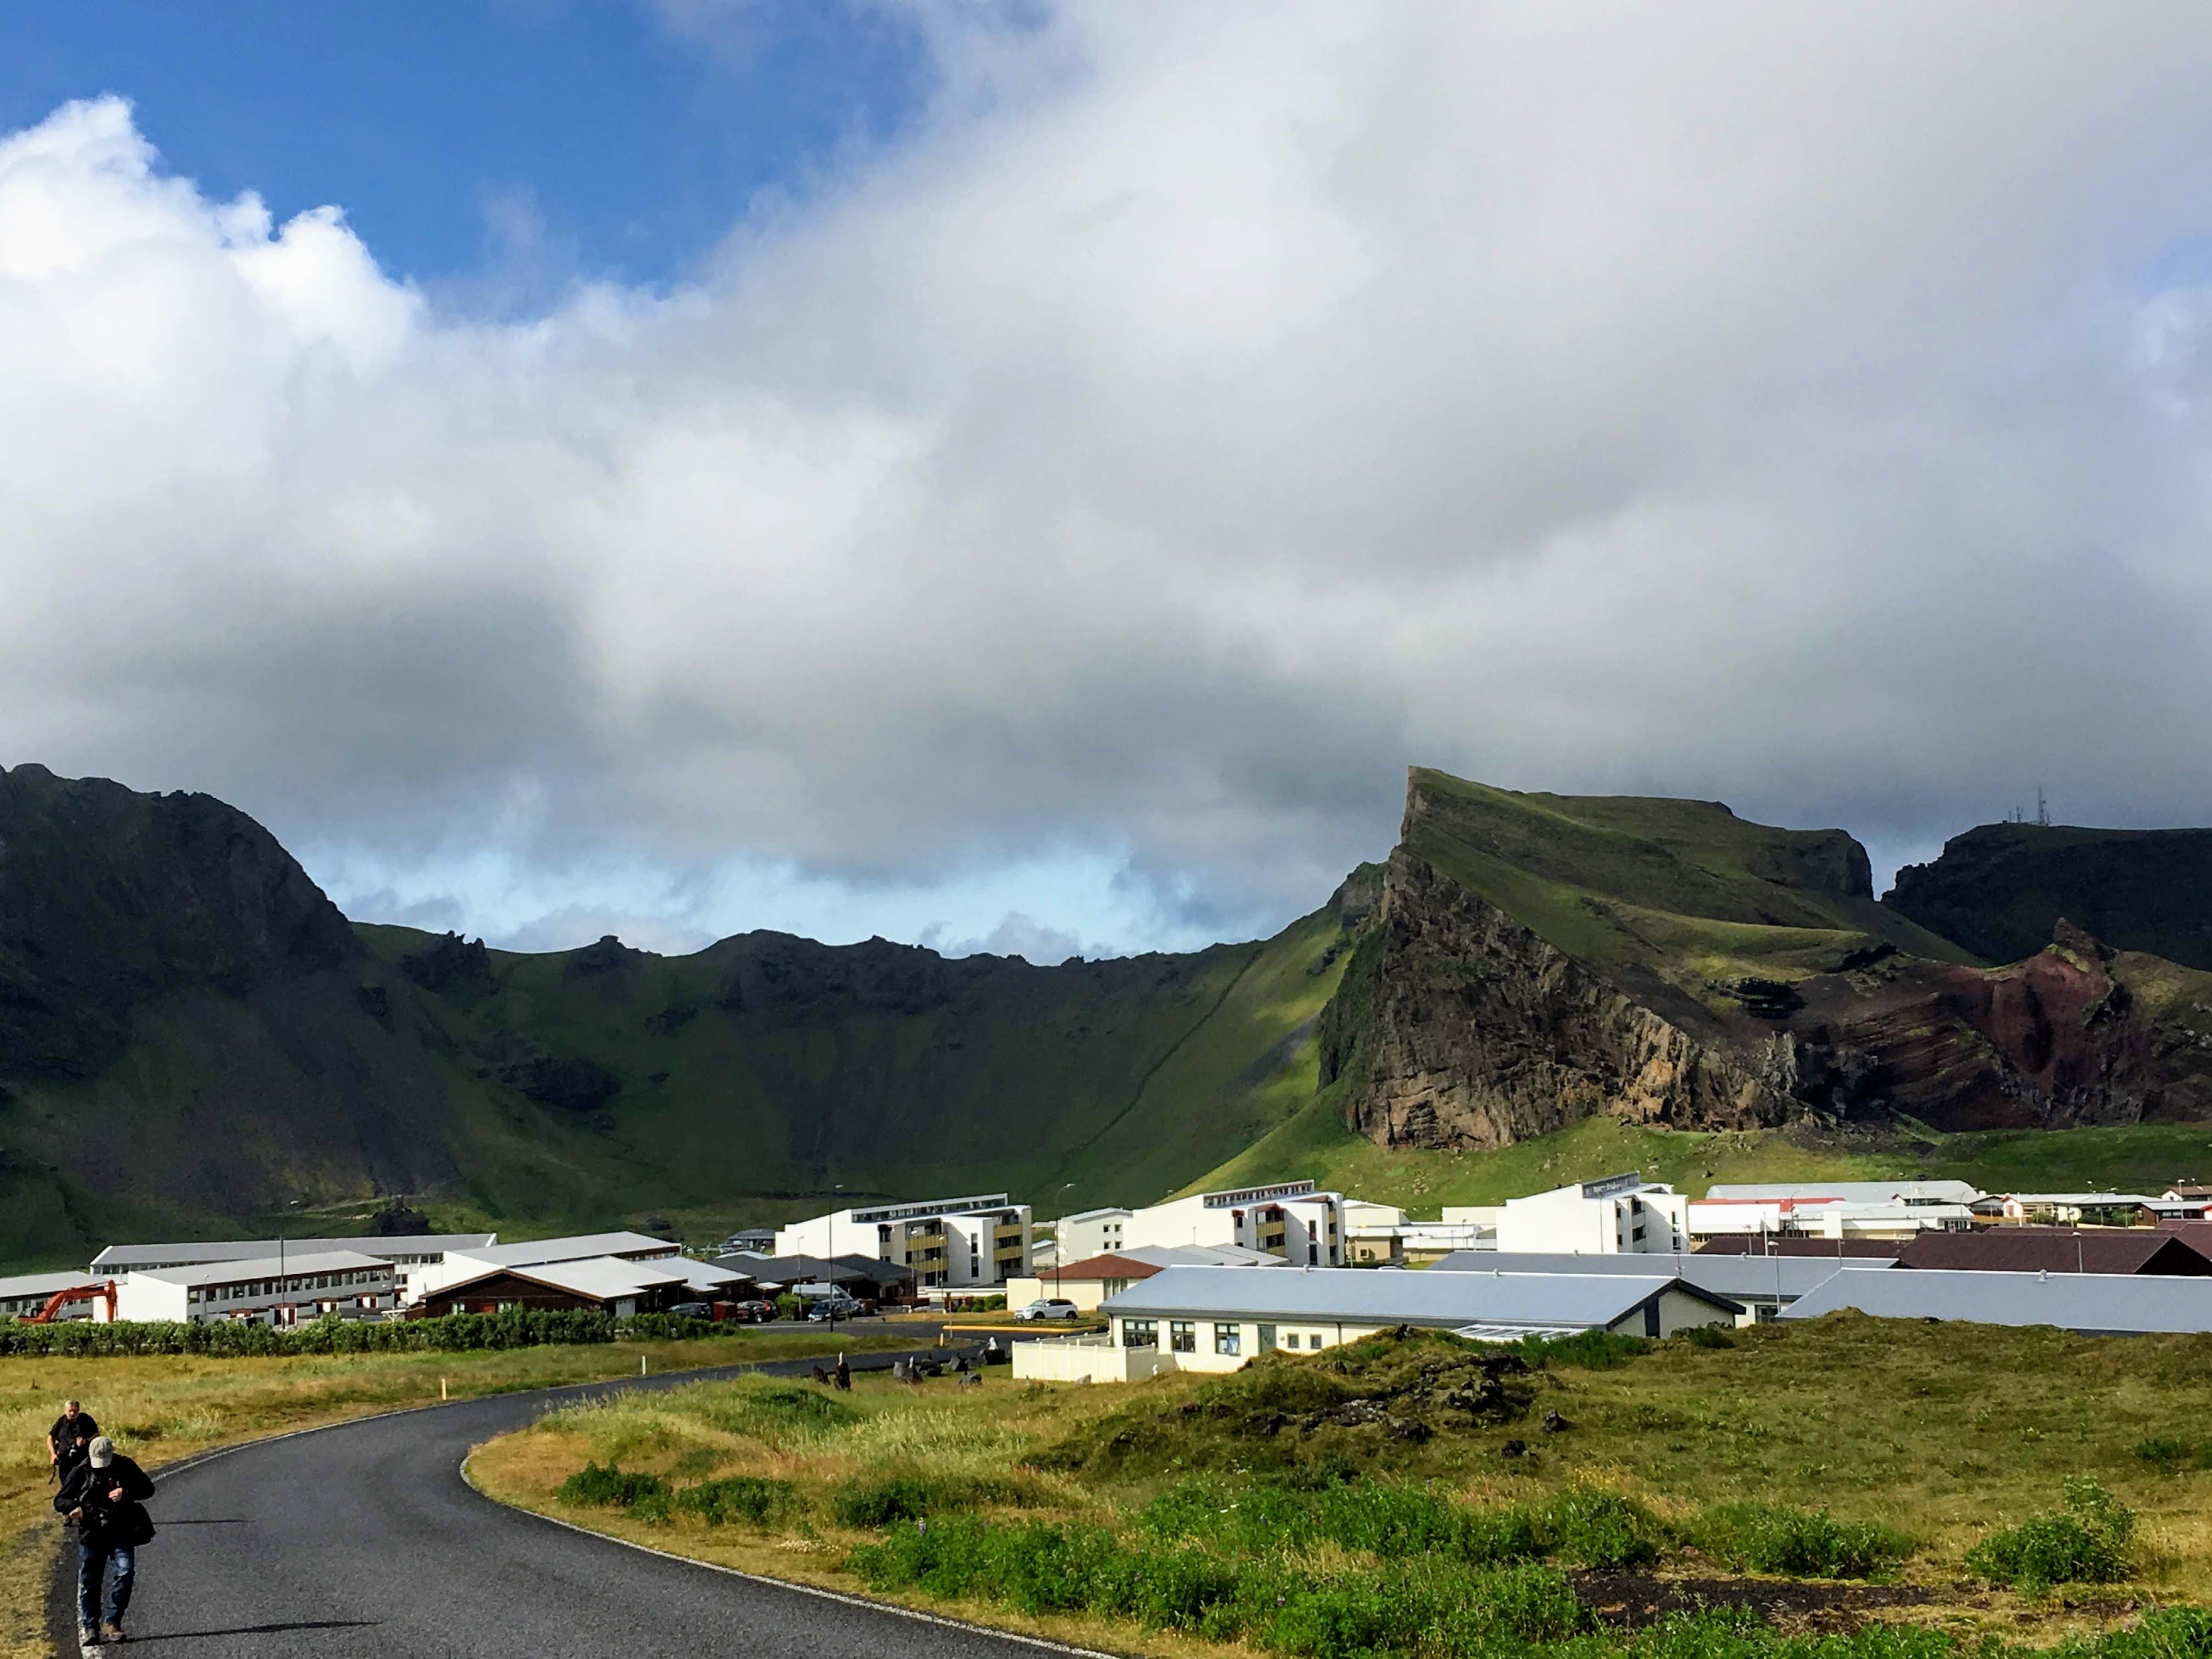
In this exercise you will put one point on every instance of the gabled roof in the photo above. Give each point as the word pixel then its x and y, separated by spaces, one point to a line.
pixel 292 1265
pixel 2055 1249
pixel 1110 1266
pixel 1389 1296
pixel 1739 1278
pixel 2096 1305
pixel 826 1270
pixel 38 1285
pixel 602 1278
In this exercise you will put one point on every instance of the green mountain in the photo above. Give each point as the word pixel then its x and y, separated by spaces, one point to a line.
pixel 1538 960
pixel 193 1038
pixel 2000 890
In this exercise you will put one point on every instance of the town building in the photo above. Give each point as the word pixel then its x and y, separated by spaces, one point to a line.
pixel 2057 1250
pixel 861 1277
pixel 949 1243
pixel 2071 1209
pixel 1090 1282
pixel 297 1287
pixel 460 1265
pixel 597 1284
pixel 414 1258
pixel 1621 1215
pixel 1214 1319
pixel 1290 1220
pixel 1879 1210
pixel 2090 1304
pixel 1090 1232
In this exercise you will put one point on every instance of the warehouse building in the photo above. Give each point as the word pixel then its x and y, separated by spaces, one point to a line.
pixel 24 1295
pixel 412 1257
pixel 1765 1285
pixel 296 1287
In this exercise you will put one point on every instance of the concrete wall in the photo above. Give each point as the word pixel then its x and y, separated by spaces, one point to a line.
pixel 1074 1359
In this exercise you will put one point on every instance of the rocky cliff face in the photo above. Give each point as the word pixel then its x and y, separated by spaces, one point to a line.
pixel 1479 1034
pixel 1460 1023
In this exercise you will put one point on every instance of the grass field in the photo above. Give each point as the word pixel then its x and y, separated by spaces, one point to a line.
pixel 1881 1453
pixel 160 1410
pixel 1316 1143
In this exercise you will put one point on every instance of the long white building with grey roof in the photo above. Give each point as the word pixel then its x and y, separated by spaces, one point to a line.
pixel 2093 1305
pixel 462 1265
pixel 297 1287
pixel 1764 1285
pixel 1216 1318
pixel 413 1257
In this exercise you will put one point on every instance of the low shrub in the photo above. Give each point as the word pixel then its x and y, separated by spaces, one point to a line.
pixel 613 1488
pixel 734 1497
pixel 1386 1521
pixel 1590 1350
pixel 1593 1527
pixel 2084 1541
pixel 1797 1543
pixel 1708 1336
pixel 789 1306
pixel 883 1500
pixel 779 1413
pixel 243 1340
pixel 2167 1457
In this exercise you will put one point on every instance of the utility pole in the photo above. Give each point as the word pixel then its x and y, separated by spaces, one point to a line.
pixel 2041 807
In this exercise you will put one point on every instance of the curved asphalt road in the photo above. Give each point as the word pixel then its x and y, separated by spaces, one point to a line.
pixel 363 1541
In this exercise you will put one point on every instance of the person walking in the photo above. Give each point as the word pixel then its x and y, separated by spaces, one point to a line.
pixel 73 1430
pixel 106 1495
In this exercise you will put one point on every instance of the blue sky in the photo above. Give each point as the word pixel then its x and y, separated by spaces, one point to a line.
pixel 1035 475
pixel 628 136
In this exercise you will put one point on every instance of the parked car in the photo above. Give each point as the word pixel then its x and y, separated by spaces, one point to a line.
pixel 751 1312
pixel 693 1310
pixel 833 1307
pixel 1050 1307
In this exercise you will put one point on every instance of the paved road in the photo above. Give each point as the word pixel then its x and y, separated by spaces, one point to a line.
pixel 363 1541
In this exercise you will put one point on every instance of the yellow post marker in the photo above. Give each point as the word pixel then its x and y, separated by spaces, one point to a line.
pixel 442 1388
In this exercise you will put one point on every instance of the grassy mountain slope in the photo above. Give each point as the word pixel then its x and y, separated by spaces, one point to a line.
pixel 2001 887
pixel 192 1039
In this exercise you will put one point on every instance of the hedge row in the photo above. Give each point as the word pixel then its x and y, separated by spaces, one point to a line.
pixel 453 1333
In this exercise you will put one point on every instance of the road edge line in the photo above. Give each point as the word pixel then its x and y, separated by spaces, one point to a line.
pixel 827 1594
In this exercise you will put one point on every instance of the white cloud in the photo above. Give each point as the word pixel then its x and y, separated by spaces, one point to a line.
pixel 1203 413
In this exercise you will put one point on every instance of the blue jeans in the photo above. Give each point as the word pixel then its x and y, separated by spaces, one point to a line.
pixel 92 1561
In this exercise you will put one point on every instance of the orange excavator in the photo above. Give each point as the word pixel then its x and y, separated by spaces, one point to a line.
pixel 60 1299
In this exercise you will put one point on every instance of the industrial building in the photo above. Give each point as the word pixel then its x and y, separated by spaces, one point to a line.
pixel 297 1287
pixel 413 1257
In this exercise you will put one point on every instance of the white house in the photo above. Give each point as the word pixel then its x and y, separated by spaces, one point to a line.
pixel 1621 1215
pixel 981 1239
pixel 414 1258
pixel 1290 1219
pixel 1214 1319
pixel 294 1288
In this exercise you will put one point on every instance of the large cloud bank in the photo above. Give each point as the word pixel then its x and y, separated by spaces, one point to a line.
pixel 1205 412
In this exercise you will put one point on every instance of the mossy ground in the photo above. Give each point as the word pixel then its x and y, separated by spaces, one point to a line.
pixel 1937 1435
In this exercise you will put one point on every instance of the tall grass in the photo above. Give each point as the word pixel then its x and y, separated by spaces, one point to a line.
pixel 2086 1540
pixel 1797 1543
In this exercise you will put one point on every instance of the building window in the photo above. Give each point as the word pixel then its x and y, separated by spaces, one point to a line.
pixel 1313 1340
pixel 1182 1335
pixel 1140 1333
pixel 1229 1338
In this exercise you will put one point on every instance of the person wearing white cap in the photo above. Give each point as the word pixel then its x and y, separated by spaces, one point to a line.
pixel 105 1495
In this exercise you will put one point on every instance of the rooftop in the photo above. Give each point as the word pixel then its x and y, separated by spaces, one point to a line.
pixel 601 1277
pixel 2094 1304
pixel 2057 1249
pixel 295 1264
pixel 1737 1277
pixel 579 1247
pixel 1850 1192
pixel 1391 1296
pixel 123 1257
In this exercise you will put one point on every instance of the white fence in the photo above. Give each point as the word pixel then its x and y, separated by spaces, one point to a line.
pixel 1086 1359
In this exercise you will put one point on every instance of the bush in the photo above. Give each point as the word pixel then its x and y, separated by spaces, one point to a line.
pixel 1598 1528
pixel 886 1499
pixel 449 1333
pixel 1797 1543
pixel 1708 1336
pixel 2086 1541
pixel 612 1488
pixel 1386 1521
pixel 780 1413
pixel 735 1498
pixel 2167 1457
pixel 1591 1350
pixel 788 1306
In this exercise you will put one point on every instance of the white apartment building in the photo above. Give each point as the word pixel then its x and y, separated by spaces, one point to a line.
pixel 1833 1209
pixel 1289 1219
pixel 1090 1232
pixel 414 1258
pixel 1623 1214
pixel 294 1288
pixel 949 1243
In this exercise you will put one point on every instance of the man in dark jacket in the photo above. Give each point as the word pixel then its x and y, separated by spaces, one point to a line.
pixel 106 1495
pixel 72 1432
